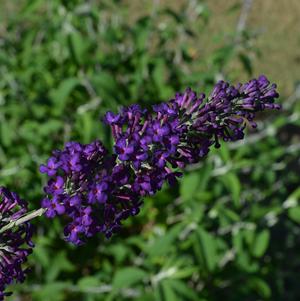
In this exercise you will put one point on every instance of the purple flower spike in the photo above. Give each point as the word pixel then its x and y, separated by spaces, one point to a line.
pixel 15 243
pixel 97 191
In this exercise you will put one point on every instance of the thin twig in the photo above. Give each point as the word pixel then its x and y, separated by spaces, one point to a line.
pixel 102 289
pixel 242 22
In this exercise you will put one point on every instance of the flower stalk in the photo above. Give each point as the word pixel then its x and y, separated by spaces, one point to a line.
pixel 24 219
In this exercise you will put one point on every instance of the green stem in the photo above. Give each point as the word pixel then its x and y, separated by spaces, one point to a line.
pixel 23 219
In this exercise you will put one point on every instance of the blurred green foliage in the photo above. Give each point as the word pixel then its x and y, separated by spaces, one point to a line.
pixel 229 230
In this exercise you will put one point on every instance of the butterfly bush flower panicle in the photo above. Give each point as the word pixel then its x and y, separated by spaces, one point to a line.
pixel 98 190
pixel 15 239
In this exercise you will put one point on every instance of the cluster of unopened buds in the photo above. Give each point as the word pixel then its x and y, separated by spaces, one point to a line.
pixel 97 189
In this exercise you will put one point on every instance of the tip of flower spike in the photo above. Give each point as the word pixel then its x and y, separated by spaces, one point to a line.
pixel 277 106
pixel 263 78
pixel 111 118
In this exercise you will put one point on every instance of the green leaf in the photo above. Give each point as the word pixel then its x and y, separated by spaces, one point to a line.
pixel 189 186
pixel 294 214
pixel 221 56
pixel 183 290
pixel 163 243
pixel 87 126
pixel 261 287
pixel 249 235
pixel 119 251
pixel 224 152
pixel 142 32
pixel 246 263
pixel 204 175
pixel 168 292
pixel 31 7
pixel 146 296
pixel 158 293
pixel 54 289
pixel 87 282
pixel 127 277
pixel 60 95
pixel 230 214
pixel 246 62
pixel 6 133
pixel 41 252
pixel 106 86
pixel 237 240
pixel 59 264
pixel 232 183
pixel 293 198
pixel 184 272
pixel 206 249
pixel 261 243
pixel 160 74
pixel 78 46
